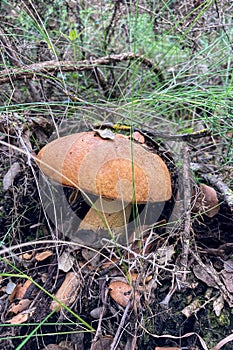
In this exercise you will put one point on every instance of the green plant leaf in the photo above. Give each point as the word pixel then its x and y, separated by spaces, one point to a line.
pixel 73 35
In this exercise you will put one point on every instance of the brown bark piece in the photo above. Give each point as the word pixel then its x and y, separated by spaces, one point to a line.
pixel 67 292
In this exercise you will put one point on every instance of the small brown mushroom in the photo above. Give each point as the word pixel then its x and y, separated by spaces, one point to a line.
pixel 207 201
pixel 118 170
pixel 122 293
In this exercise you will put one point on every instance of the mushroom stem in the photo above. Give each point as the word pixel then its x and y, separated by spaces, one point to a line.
pixel 107 214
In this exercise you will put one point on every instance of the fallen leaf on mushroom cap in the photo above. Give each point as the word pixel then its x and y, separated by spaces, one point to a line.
pixel 122 293
pixel 137 136
pixel 105 133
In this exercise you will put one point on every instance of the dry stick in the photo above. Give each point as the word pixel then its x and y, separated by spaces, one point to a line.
pixel 115 340
pixel 98 332
pixel 43 68
pixel 187 211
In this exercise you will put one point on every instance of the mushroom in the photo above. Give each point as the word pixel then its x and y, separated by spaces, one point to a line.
pixel 119 171
pixel 122 293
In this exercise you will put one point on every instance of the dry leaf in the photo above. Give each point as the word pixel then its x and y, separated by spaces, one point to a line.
pixel 26 256
pixel 20 290
pixel 228 280
pixel 218 305
pixel 228 265
pixel 22 317
pixel 204 276
pixel 10 176
pixel 65 262
pixel 67 292
pixel 105 134
pixel 165 254
pixel 108 263
pixel 43 255
pixel 20 306
pixel 10 287
pixel 122 293
pixel 191 308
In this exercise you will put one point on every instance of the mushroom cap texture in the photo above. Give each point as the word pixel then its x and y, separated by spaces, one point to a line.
pixel 115 169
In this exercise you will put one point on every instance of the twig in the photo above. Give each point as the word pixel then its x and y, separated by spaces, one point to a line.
pixel 99 331
pixel 43 68
pixel 150 134
pixel 115 340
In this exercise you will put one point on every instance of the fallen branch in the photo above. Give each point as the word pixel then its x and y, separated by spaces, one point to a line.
pixel 44 68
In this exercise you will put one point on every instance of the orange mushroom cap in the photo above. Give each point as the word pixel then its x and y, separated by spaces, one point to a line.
pixel 115 169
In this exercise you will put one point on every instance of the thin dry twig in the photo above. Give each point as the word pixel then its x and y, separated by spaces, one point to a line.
pixel 187 212
pixel 44 68
pixel 99 330
pixel 116 338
